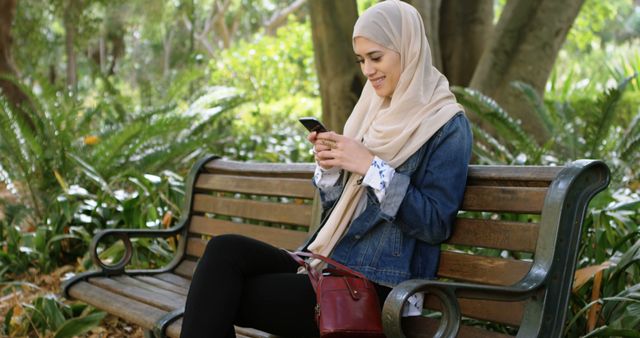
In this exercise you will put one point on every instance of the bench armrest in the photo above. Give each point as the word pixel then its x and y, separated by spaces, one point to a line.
pixel 125 235
pixel 447 292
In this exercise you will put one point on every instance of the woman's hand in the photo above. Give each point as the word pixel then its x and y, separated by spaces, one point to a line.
pixel 318 147
pixel 335 150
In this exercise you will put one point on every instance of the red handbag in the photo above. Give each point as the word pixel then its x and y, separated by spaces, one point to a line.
pixel 347 302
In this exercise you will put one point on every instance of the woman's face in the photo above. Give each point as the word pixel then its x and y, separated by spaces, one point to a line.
pixel 379 64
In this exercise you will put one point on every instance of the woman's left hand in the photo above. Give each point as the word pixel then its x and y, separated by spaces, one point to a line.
pixel 344 152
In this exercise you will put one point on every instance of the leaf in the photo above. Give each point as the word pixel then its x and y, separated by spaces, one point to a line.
pixel 77 326
pixel 605 331
pixel 582 276
pixel 538 105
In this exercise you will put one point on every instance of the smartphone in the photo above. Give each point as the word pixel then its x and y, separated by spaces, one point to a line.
pixel 312 124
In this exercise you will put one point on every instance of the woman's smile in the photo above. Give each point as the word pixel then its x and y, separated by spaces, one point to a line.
pixel 377 82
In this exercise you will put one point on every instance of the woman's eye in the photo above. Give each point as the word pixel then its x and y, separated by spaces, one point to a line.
pixel 360 61
pixel 376 59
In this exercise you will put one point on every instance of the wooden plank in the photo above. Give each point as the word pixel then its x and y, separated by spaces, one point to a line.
pixel 293 170
pixel 282 238
pixel 291 187
pixel 481 269
pixel 159 299
pixel 486 233
pixel 163 285
pixel 174 279
pixel 423 327
pixel 196 247
pixel 509 313
pixel 186 268
pixel 170 292
pixel 297 214
pixel 504 199
pixel 510 175
pixel 133 311
pixel 173 331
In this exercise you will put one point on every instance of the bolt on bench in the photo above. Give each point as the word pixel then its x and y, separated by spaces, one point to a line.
pixel 275 203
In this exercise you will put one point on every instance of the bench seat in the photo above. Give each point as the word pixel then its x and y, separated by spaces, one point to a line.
pixel 517 225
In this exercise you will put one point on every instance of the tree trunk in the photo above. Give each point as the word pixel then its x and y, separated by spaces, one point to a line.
pixel 14 95
pixel 524 47
pixel 430 10
pixel 341 80
pixel 70 27
pixel 7 67
pixel 465 27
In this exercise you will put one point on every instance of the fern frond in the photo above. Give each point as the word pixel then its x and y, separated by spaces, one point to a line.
pixel 489 110
pixel 491 148
pixel 606 106
pixel 538 105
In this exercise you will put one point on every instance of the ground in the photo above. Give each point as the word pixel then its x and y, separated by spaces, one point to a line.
pixel 49 284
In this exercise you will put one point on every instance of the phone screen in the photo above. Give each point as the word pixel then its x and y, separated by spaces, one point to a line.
pixel 312 124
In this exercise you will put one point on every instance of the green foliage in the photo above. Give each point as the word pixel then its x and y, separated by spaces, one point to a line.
pixel 269 68
pixel 84 168
pixel 48 315
pixel 277 78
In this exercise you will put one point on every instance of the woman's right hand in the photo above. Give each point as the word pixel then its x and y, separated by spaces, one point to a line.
pixel 317 147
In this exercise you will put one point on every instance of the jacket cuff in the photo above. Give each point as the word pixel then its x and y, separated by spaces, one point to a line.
pixel 394 196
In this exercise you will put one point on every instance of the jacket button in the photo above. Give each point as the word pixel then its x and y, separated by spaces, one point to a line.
pixel 357 236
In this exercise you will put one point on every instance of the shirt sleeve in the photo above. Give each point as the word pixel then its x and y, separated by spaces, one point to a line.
pixel 326 178
pixel 378 177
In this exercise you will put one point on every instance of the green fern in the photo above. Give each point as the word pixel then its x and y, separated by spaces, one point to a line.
pixel 605 111
pixel 538 105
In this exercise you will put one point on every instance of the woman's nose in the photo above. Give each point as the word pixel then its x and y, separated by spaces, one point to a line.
pixel 367 69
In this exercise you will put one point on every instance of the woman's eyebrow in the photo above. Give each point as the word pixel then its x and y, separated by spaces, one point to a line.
pixel 370 53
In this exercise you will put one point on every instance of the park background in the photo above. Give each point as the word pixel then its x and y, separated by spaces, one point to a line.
pixel 106 104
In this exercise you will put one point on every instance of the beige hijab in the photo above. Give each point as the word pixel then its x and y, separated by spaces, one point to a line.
pixel 391 128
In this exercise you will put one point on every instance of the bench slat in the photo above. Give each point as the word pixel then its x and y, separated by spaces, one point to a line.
pixel 128 309
pixel 174 279
pixel 186 268
pixel 291 187
pixel 481 269
pixel 504 199
pixel 509 313
pixel 163 285
pixel 508 175
pixel 159 298
pixel 422 327
pixel 515 236
pixel 284 238
pixel 173 331
pixel 296 214
pixel 293 170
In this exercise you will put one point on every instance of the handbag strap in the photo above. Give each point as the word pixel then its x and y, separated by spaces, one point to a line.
pixel 314 275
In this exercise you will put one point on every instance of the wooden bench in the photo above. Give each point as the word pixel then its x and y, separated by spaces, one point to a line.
pixel 509 261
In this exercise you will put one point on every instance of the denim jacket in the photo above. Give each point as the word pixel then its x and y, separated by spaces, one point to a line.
pixel 398 239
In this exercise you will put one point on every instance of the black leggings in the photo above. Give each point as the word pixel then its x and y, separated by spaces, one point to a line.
pixel 245 282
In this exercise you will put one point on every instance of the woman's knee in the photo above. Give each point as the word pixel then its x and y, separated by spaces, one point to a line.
pixel 225 244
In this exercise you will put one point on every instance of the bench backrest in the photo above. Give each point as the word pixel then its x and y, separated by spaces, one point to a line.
pixel 493 242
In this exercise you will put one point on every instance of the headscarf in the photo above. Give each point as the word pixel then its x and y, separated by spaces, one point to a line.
pixel 391 128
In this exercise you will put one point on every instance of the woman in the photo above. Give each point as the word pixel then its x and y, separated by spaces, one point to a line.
pixel 390 189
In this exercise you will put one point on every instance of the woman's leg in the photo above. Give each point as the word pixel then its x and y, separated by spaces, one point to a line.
pixel 279 303
pixel 218 284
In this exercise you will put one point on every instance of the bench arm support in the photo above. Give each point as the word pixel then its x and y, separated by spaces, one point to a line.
pixel 125 235
pixel 447 292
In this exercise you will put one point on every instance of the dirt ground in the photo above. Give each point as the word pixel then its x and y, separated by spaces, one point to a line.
pixel 49 284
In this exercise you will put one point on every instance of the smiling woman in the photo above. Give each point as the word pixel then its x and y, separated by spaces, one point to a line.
pixel 380 65
pixel 390 187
